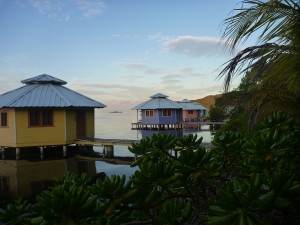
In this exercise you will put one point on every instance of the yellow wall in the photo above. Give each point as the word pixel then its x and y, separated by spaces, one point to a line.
pixel 40 136
pixel 71 125
pixel 7 134
pixel 62 132
pixel 90 123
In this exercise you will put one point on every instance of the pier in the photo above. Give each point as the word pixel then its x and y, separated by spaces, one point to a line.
pixel 108 144
pixel 101 141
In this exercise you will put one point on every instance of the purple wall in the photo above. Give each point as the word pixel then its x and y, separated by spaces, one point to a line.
pixel 158 117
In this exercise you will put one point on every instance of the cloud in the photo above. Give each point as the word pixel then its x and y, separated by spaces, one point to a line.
pixel 65 9
pixel 90 8
pixel 10 79
pixel 129 90
pixel 114 95
pixel 182 76
pixel 158 37
pixel 194 46
pixel 132 65
pixel 141 68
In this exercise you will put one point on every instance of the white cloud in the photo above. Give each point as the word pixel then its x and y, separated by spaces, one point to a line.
pixel 90 8
pixel 66 9
pixel 195 46
pixel 139 67
pixel 10 79
pixel 129 90
pixel 132 65
pixel 158 37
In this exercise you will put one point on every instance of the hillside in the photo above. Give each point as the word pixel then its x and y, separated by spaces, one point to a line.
pixel 207 101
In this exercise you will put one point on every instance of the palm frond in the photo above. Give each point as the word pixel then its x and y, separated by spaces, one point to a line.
pixel 278 19
pixel 254 57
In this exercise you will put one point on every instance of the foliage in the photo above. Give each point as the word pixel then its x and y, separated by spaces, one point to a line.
pixel 66 203
pixel 272 67
pixel 246 178
pixel 19 212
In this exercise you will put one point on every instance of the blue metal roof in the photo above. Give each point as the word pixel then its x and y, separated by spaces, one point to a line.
pixel 158 101
pixel 45 91
pixel 44 79
pixel 188 105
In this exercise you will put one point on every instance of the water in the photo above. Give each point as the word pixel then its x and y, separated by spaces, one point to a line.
pixel 118 126
pixel 23 178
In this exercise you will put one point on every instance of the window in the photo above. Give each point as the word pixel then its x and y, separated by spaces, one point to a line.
pixel 190 112
pixel 167 112
pixel 149 113
pixel 47 118
pixel 40 118
pixel 3 119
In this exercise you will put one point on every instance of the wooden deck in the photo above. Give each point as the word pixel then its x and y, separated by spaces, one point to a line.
pixel 182 125
pixel 101 141
pixel 116 142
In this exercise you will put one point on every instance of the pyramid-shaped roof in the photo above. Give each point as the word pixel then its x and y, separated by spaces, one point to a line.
pixel 43 79
pixel 188 105
pixel 158 101
pixel 45 91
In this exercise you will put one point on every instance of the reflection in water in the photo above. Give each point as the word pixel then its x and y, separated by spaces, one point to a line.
pixel 23 178
pixel 149 133
pixel 112 169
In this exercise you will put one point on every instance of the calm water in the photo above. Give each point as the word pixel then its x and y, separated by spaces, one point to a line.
pixel 118 125
pixel 23 178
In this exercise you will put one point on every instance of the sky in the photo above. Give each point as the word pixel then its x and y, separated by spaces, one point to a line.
pixel 118 52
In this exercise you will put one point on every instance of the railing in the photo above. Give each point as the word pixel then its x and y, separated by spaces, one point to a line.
pixel 179 125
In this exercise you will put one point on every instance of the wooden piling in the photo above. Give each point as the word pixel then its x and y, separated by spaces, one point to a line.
pixel 108 151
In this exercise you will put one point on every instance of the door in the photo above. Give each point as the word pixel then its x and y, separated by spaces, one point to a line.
pixel 80 124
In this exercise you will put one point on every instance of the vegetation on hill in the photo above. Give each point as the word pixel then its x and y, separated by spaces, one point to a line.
pixel 208 101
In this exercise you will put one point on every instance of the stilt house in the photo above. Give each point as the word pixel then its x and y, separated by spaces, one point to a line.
pixel 159 112
pixel 192 111
pixel 45 113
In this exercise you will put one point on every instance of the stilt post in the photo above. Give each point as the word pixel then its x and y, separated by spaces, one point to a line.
pixel 18 153
pixel 65 151
pixel 108 151
pixel 41 153
pixel 2 152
